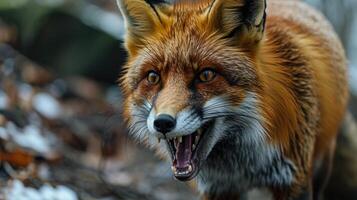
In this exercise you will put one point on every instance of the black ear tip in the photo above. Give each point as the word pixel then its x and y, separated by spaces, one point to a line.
pixel 156 1
pixel 255 12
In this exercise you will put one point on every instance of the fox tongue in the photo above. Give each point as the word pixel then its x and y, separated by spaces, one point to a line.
pixel 184 152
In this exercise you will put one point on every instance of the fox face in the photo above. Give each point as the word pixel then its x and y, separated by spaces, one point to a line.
pixel 224 99
pixel 191 79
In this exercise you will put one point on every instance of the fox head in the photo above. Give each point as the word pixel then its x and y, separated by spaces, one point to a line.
pixel 191 79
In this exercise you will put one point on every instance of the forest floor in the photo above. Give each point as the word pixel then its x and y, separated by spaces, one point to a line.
pixel 65 138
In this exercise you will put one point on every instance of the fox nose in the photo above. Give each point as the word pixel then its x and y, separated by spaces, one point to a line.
pixel 164 123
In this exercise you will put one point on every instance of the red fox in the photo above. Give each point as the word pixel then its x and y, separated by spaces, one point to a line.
pixel 238 94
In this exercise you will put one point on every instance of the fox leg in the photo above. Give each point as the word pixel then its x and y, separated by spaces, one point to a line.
pixel 224 196
pixel 293 193
pixel 300 189
pixel 322 174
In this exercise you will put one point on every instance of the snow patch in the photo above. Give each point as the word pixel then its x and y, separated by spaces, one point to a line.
pixel 4 100
pixel 3 134
pixel 47 105
pixel 17 191
pixel 29 137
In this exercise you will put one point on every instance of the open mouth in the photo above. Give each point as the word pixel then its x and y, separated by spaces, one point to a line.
pixel 185 164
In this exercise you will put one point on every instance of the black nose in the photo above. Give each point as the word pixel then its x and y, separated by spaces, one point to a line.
pixel 164 123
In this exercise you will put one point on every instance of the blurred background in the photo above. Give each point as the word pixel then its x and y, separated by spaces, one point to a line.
pixel 61 133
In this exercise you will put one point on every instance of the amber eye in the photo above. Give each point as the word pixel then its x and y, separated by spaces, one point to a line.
pixel 153 78
pixel 207 75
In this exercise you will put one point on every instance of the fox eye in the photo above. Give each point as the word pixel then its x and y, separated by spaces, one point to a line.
pixel 153 78
pixel 207 75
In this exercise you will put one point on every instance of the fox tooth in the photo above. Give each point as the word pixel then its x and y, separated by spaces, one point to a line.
pixel 193 146
pixel 197 138
pixel 190 168
pixel 173 169
pixel 199 131
pixel 180 139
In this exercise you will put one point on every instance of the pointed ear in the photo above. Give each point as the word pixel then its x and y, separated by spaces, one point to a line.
pixel 141 19
pixel 242 20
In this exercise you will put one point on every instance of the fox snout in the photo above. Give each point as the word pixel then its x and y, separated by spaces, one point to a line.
pixel 164 123
pixel 172 113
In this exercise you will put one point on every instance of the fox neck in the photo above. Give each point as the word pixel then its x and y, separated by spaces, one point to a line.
pixel 244 157
pixel 279 104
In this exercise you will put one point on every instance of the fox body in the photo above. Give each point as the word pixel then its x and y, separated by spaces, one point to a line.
pixel 239 94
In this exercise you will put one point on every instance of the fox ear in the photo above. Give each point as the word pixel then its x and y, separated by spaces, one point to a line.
pixel 242 20
pixel 141 19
